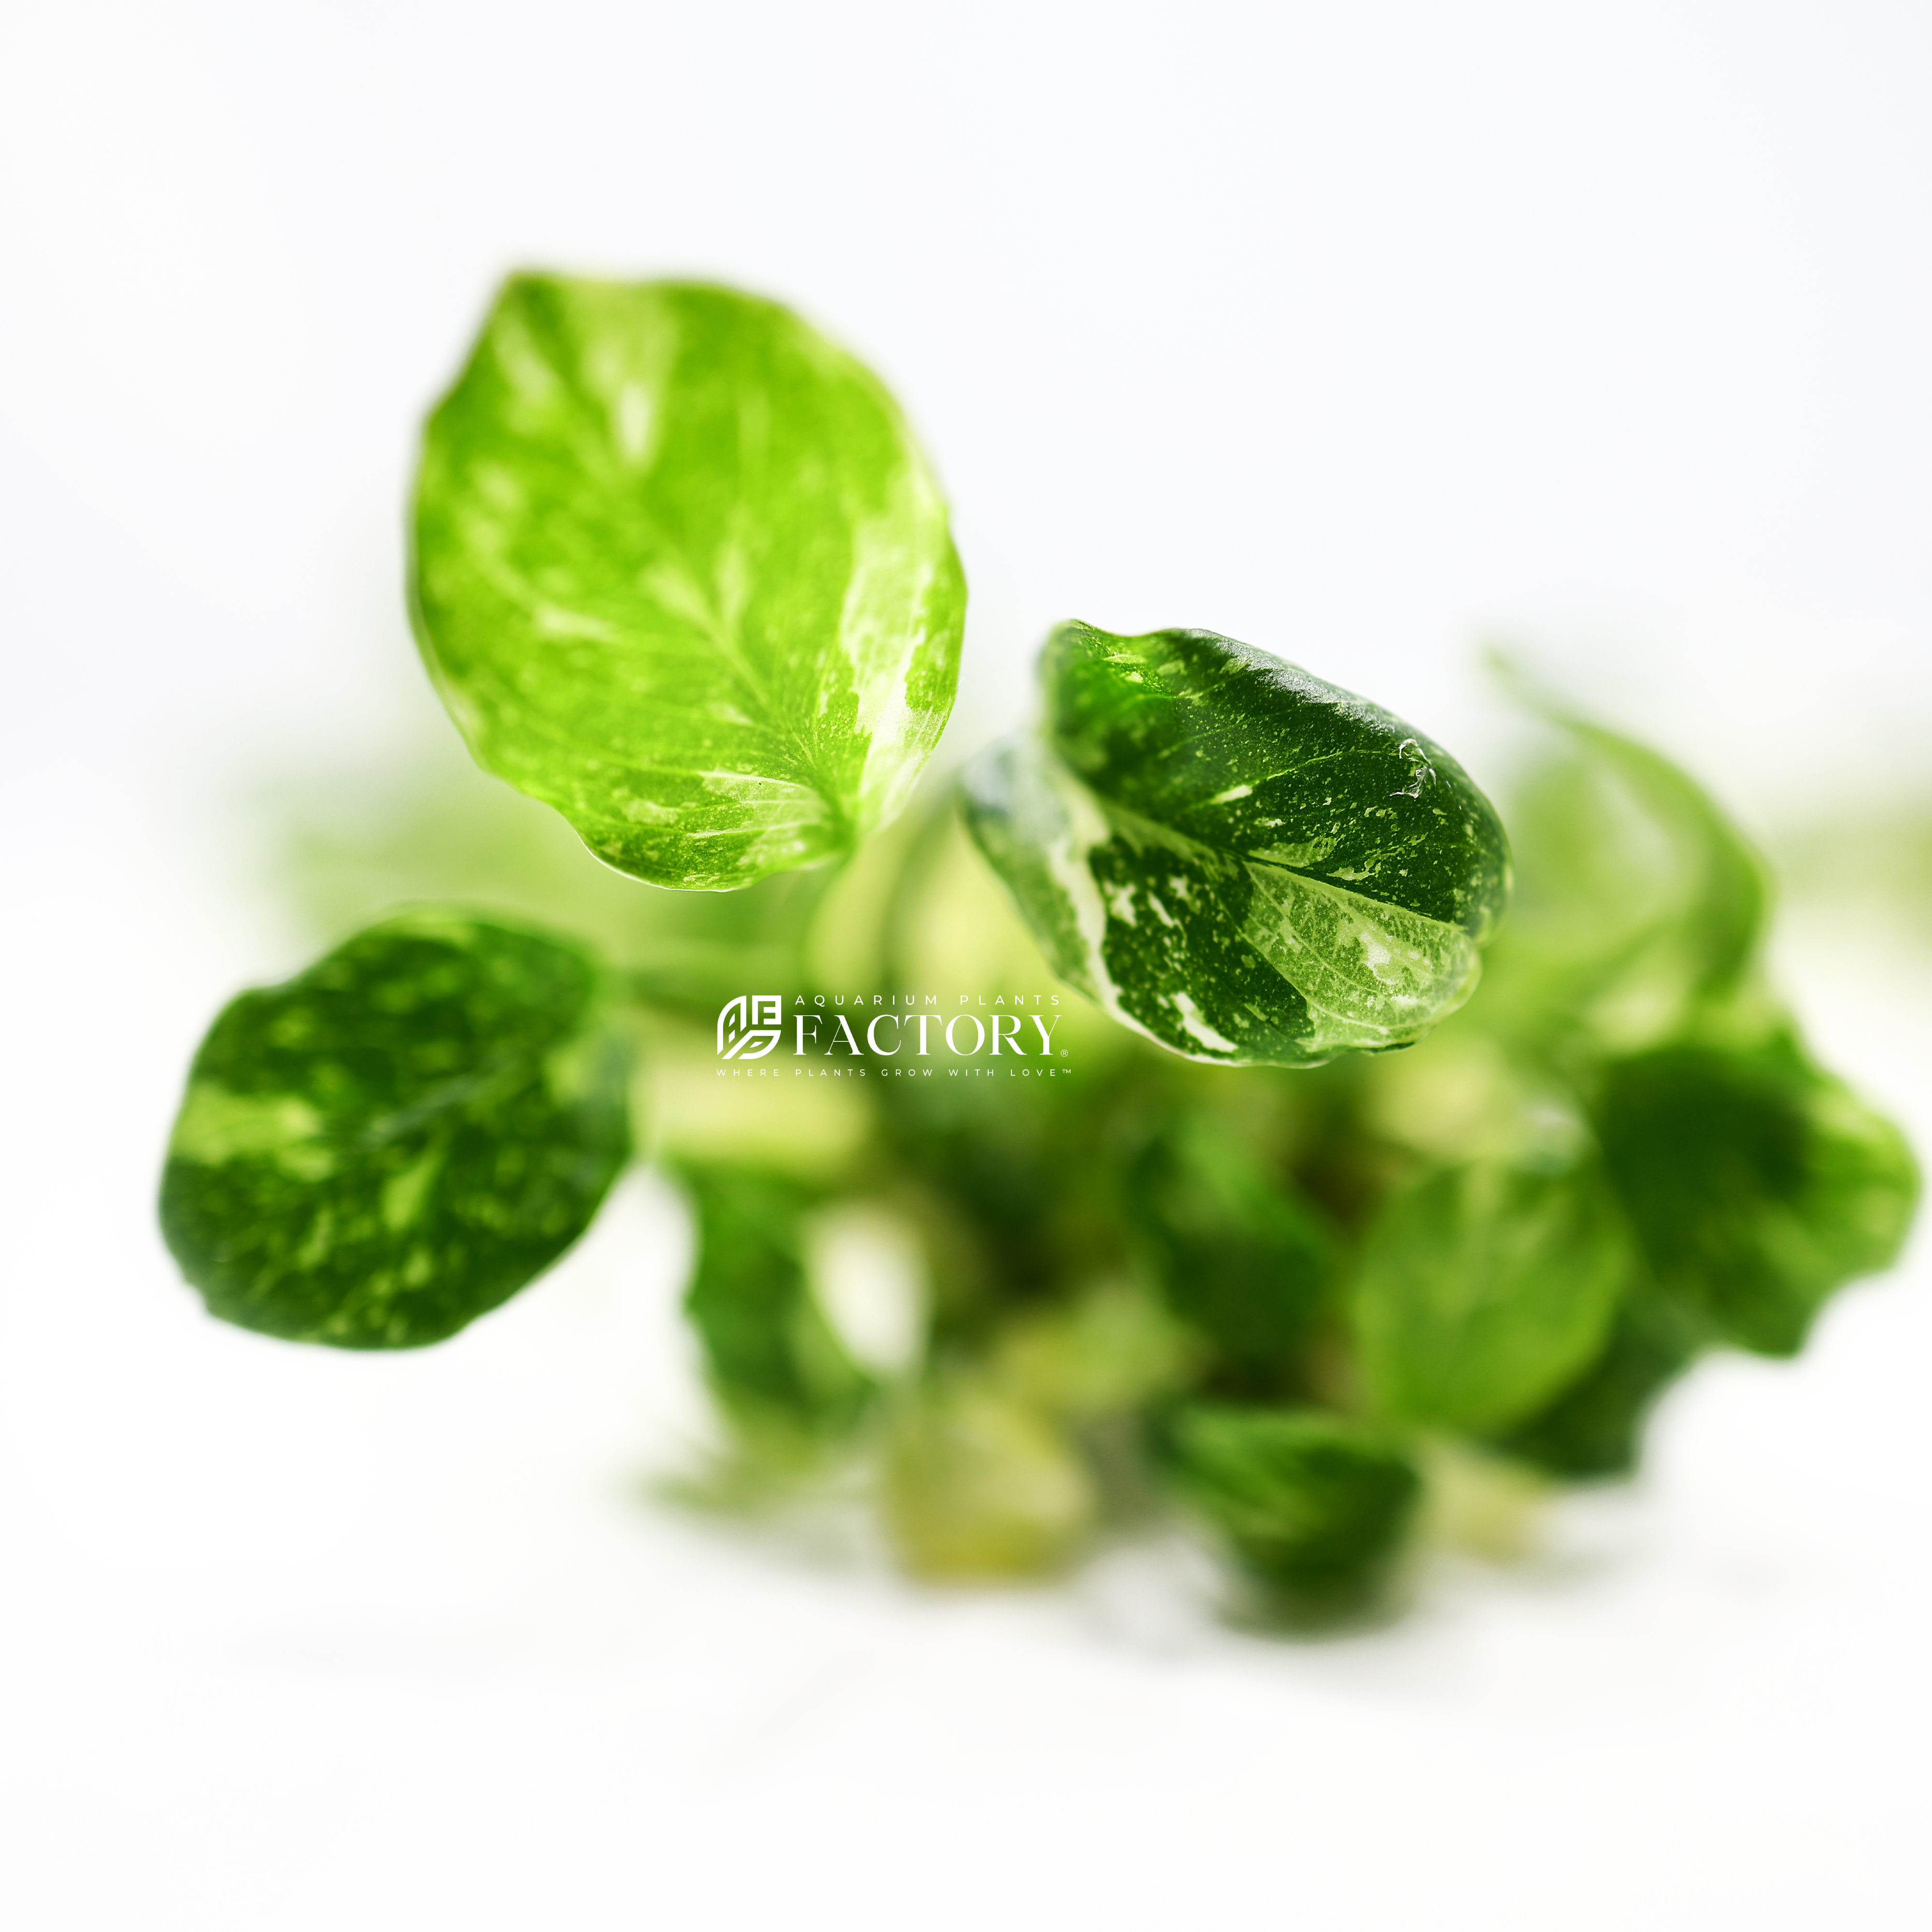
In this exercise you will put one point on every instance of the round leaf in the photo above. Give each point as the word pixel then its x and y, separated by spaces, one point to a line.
pixel 381 1150
pixel 681 571
pixel 1486 1288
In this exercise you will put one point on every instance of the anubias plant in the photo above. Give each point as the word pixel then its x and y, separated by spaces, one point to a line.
pixel 680 571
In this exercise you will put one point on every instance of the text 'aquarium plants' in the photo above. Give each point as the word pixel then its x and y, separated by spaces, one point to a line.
pixel 1206 1112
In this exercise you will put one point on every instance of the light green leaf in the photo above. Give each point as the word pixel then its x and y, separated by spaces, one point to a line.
pixel 1757 1183
pixel 682 572
pixel 1485 1289
pixel 975 1484
pixel 1235 858
pixel 1103 1353
pixel 1639 905
pixel 380 1150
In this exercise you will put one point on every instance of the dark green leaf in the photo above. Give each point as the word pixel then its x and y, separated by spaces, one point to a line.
pixel 682 572
pixel 1757 1183
pixel 1486 1288
pixel 1236 859
pixel 1314 1504
pixel 378 1151
pixel 772 1358
pixel 1240 1259
pixel 1592 1428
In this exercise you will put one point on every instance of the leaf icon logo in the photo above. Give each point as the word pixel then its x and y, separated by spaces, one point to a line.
pixel 749 1026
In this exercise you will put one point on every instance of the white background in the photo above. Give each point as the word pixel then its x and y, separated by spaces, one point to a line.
pixel 1364 333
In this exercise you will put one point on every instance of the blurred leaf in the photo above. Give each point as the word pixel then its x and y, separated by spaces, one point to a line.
pixel 775 1362
pixel 1873 859
pixel 1757 1184
pixel 1241 861
pixel 380 1150
pixel 1103 1354
pixel 1484 1288
pixel 978 1485
pixel 1019 1204
pixel 816 1132
pixel 1638 902
pixel 949 921
pixel 1239 1258
pixel 1592 1429
pixel 682 572
pixel 1313 1504
pixel 347 845
pixel 868 1276
pixel 1479 1503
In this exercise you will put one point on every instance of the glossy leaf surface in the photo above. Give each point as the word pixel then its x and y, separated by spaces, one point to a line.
pixel 378 1151
pixel 1757 1183
pixel 1233 857
pixel 1484 1289
pixel 682 572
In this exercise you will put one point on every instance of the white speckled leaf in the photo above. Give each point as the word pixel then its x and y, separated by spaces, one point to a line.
pixel 682 572
pixel 1240 861
pixel 380 1150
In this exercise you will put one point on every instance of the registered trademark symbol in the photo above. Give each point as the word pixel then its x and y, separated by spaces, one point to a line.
pixel 1064 1054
